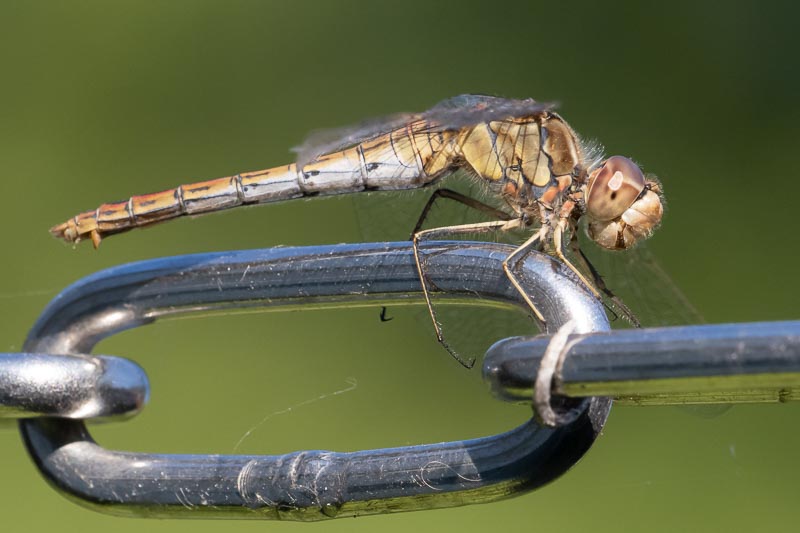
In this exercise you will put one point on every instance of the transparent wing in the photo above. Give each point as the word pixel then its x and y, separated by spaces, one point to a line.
pixel 386 216
pixel 326 141
pixel 644 286
pixel 635 276
pixel 650 293
pixel 470 330
pixel 392 215
pixel 450 114
pixel 469 109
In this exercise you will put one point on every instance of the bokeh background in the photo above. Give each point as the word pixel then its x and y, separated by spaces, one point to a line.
pixel 99 100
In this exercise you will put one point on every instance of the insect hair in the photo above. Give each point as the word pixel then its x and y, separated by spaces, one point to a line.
pixel 593 152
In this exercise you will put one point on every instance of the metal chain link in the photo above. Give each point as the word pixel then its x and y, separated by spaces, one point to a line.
pixel 57 382
pixel 70 386
pixel 306 485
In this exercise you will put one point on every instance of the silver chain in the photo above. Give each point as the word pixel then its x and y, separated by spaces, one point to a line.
pixel 57 383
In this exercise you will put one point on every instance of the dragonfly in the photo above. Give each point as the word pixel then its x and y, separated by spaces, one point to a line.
pixel 520 152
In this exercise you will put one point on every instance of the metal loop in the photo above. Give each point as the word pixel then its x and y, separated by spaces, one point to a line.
pixel 720 363
pixel 307 485
pixel 70 386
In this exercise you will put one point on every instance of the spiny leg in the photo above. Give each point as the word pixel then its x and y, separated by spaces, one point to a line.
pixel 449 194
pixel 558 244
pixel 462 199
pixel 511 262
pixel 468 201
pixel 478 227
pixel 537 240
pixel 619 305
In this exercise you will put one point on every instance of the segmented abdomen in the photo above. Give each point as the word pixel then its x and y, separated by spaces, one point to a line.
pixel 406 158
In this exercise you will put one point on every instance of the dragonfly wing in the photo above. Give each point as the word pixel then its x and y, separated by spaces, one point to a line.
pixel 326 141
pixel 470 109
pixel 644 286
pixel 469 329
pixel 451 114
pixel 392 215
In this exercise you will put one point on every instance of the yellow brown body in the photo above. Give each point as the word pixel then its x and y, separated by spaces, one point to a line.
pixel 529 161
pixel 520 150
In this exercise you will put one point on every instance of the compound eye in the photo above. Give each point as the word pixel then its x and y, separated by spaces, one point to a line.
pixel 613 188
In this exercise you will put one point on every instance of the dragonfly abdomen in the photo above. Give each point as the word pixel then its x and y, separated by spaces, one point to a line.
pixel 191 199
pixel 406 158
pixel 403 159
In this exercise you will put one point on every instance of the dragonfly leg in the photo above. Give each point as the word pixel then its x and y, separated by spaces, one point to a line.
pixel 558 244
pixel 478 227
pixel 510 263
pixel 460 198
pixel 450 194
pixel 618 304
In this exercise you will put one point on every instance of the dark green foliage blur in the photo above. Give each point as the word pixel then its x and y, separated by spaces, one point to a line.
pixel 101 100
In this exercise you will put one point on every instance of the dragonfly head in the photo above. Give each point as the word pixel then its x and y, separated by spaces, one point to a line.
pixel 622 206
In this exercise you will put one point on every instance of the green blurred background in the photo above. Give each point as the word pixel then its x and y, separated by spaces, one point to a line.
pixel 104 99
